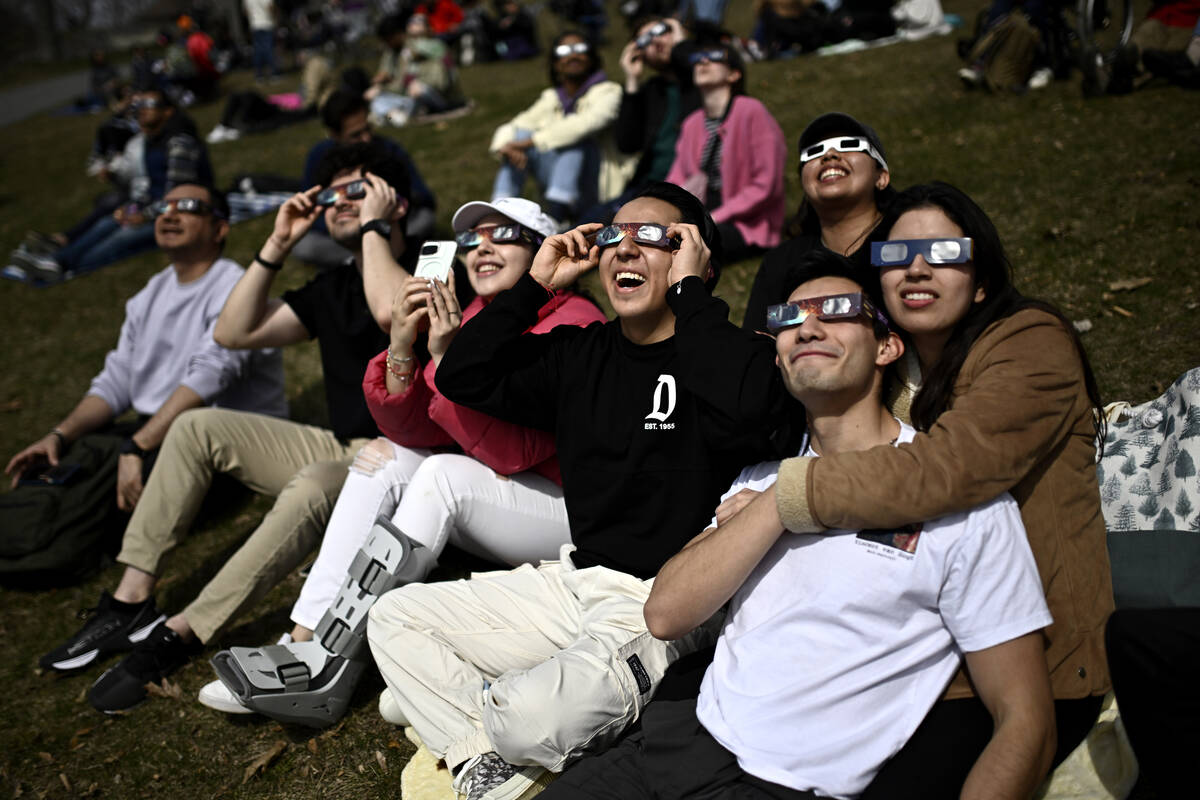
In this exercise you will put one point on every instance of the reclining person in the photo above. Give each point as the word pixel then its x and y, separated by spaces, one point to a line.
pixel 166 360
pixel 836 645
pixel 402 503
pixel 348 310
pixel 529 667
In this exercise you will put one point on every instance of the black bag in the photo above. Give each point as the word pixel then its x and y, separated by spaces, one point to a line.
pixel 56 535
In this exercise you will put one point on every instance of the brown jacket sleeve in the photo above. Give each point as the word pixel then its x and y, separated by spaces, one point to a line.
pixel 1015 402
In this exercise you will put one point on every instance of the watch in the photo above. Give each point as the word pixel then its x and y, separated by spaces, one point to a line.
pixel 380 226
pixel 130 448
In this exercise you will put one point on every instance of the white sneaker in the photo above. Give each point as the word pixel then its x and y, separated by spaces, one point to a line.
pixel 490 777
pixel 217 695
pixel 1040 79
pixel 970 77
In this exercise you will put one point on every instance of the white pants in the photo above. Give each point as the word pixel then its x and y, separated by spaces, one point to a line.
pixel 435 500
pixel 537 664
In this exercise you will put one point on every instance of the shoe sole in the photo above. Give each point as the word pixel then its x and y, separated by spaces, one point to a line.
pixel 84 659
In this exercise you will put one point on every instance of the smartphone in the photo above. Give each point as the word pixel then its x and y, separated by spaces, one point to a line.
pixel 436 260
pixel 47 475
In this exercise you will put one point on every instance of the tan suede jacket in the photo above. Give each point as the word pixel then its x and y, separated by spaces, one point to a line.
pixel 1019 421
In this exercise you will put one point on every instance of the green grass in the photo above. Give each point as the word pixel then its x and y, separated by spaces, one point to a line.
pixel 1084 193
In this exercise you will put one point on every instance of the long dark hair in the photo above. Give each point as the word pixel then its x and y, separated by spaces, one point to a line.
pixel 993 273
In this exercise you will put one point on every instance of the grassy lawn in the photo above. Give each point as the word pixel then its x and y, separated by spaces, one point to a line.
pixel 1085 194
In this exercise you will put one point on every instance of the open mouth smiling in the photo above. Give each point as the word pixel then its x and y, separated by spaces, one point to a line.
pixel 832 173
pixel 628 280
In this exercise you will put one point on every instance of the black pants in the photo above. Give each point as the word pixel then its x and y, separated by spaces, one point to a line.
pixel 670 758
pixel 1154 657
pixel 939 755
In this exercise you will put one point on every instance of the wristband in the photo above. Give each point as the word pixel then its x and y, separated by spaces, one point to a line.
pixel 274 266
pixel 62 438
pixel 130 448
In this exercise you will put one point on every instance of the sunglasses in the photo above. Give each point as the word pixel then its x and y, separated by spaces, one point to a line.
pixel 647 233
pixel 716 56
pixel 658 29
pixel 577 49
pixel 149 102
pixel 182 205
pixel 497 234
pixel 843 144
pixel 350 190
pixel 901 252
pixel 827 308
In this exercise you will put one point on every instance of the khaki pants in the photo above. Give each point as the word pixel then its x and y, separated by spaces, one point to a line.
pixel 537 664
pixel 1006 52
pixel 302 464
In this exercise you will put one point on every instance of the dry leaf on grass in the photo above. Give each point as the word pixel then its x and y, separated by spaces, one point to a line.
pixel 1124 312
pixel 79 734
pixel 1129 284
pixel 312 746
pixel 12 405
pixel 44 756
pixel 165 689
pixel 260 764
pixel 381 760
pixel 62 776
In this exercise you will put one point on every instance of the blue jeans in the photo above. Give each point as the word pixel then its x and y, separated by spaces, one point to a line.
pixel 264 52
pixel 105 242
pixel 567 175
pixel 705 10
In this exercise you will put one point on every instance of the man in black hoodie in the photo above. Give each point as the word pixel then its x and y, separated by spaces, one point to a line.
pixel 653 413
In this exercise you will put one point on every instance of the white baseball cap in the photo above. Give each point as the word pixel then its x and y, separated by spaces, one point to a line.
pixel 518 209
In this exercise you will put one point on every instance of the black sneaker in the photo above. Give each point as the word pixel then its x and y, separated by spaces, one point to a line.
pixel 124 686
pixel 108 630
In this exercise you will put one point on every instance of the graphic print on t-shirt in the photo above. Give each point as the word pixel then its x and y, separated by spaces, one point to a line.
pixel 891 543
pixel 663 404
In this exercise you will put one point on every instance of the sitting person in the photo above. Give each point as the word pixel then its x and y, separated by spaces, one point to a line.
pixel 348 311
pixel 1006 403
pixel 846 184
pixel 1169 26
pixel 166 360
pixel 346 119
pixel 835 645
pixel 527 668
pixel 657 94
pixel 731 154
pixel 786 28
pixel 563 139
pixel 501 499
pixel 513 32
pixel 164 154
pixel 416 73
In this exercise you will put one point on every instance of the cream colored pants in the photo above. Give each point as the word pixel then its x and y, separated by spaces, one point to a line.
pixel 537 664
pixel 303 465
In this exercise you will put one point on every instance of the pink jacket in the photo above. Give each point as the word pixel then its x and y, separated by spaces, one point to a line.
pixel 422 417
pixel 753 159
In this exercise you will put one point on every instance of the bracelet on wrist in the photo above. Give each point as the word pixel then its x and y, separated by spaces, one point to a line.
pixel 274 266
pixel 400 373
pixel 62 438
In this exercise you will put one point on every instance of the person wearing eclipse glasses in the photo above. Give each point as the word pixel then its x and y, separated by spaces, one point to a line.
pixel 563 140
pixel 363 195
pixel 164 363
pixel 1005 402
pixel 846 182
pixel 836 644
pixel 653 103
pixel 511 674
pixel 500 499
pixel 164 153
pixel 731 154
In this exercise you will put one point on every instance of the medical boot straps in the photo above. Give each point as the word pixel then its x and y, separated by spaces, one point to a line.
pixel 311 683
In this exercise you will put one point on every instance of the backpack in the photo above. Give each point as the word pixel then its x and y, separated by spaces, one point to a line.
pixel 56 535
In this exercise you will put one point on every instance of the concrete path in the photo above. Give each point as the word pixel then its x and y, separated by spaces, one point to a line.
pixel 24 101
